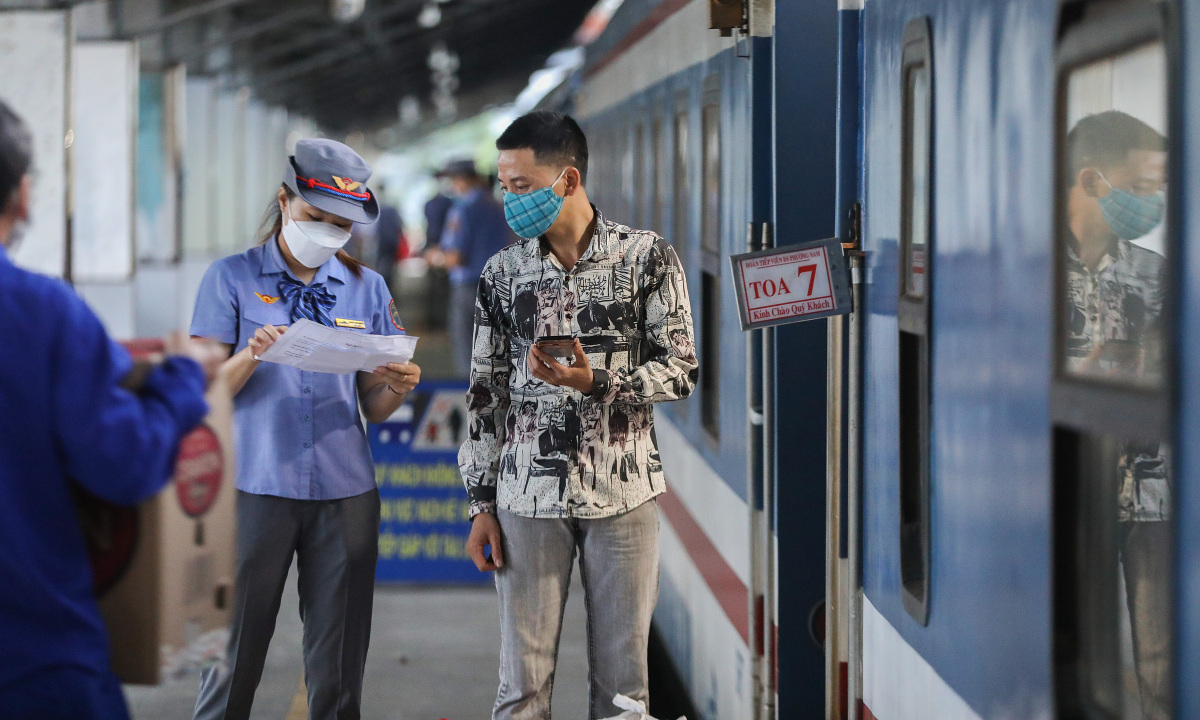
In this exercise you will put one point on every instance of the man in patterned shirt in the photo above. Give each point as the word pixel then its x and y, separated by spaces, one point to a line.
pixel 580 475
pixel 1113 331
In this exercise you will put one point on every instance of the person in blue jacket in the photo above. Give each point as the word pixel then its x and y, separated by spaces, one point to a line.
pixel 306 482
pixel 67 422
pixel 475 231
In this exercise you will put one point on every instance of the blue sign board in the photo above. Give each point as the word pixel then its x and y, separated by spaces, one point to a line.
pixel 424 508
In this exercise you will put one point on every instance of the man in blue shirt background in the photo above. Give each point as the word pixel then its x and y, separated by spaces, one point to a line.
pixel 66 420
pixel 475 231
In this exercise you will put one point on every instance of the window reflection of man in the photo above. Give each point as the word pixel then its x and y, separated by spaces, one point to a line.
pixel 1115 289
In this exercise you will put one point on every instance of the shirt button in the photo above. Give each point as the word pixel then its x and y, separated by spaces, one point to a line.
pixel 307 390
pixel 307 444
pixel 308 417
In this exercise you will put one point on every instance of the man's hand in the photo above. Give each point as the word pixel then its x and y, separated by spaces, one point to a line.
pixel 400 377
pixel 485 530
pixel 548 369
pixel 264 338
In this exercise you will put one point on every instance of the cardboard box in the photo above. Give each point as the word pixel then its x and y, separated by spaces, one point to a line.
pixel 164 570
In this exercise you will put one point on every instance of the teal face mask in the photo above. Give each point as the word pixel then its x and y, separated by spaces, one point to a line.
pixel 531 214
pixel 1131 216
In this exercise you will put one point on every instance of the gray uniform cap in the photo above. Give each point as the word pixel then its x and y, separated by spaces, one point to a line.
pixel 332 177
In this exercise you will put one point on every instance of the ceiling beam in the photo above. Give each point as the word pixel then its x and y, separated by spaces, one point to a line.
pixel 326 36
pixel 401 32
pixel 335 85
pixel 246 32
pixel 172 19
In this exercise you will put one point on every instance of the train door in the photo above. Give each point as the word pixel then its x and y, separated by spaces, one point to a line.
pixel 1116 375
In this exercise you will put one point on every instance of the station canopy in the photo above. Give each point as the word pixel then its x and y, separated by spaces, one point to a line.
pixel 351 65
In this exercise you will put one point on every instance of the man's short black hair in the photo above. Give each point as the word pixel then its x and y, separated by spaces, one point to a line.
pixel 16 153
pixel 555 139
pixel 1104 140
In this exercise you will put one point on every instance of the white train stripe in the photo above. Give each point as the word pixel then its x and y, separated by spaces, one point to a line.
pixel 724 517
pixel 897 682
pixel 645 64
pixel 720 661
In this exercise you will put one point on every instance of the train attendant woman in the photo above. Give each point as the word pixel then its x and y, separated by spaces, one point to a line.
pixel 306 483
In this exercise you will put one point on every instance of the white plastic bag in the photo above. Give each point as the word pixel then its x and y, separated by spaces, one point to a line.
pixel 634 709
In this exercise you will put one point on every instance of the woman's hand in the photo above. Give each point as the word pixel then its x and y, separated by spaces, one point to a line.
pixel 400 377
pixel 265 337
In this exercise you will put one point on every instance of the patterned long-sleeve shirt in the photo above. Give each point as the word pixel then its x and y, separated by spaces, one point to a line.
pixel 1121 300
pixel 543 451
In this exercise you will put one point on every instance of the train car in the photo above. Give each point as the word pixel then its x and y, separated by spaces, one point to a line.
pixel 684 139
pixel 1028 490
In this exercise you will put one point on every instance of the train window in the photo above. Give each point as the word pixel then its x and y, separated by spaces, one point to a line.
pixel 658 154
pixel 710 234
pixel 913 312
pixel 680 203
pixel 710 353
pixel 627 185
pixel 710 271
pixel 1110 396
pixel 637 186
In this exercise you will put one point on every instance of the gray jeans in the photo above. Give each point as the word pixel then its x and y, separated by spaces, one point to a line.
pixel 336 543
pixel 1146 560
pixel 618 560
pixel 461 328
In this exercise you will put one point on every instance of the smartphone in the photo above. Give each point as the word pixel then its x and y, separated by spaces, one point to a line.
pixel 561 346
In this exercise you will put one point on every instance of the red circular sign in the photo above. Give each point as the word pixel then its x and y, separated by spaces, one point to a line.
pixel 199 469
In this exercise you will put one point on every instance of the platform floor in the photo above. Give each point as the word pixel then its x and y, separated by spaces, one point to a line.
pixel 434 654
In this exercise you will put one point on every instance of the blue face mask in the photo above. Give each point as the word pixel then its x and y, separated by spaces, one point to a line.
pixel 531 214
pixel 1129 215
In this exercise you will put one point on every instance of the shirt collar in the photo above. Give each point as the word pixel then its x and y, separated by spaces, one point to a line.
pixel 274 264
pixel 597 249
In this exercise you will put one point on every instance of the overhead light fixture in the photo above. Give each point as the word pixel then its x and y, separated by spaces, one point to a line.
pixel 410 111
pixel 346 11
pixel 430 16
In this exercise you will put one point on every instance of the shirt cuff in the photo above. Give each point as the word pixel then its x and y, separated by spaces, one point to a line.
pixel 482 507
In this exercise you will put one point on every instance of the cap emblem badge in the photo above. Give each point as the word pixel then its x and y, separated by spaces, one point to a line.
pixel 346 184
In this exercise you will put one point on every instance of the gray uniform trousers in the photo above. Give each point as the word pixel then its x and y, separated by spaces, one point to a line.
pixel 336 544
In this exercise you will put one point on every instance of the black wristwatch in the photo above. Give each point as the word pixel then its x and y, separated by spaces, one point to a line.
pixel 601 383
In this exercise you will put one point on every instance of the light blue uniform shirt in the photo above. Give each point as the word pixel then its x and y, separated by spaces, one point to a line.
pixel 299 434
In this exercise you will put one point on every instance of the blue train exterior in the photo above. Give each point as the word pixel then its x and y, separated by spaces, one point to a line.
pixel 659 86
pixel 810 124
pixel 987 648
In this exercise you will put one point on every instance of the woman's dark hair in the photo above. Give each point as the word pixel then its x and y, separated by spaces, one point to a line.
pixel 272 224
pixel 555 138
pixel 16 153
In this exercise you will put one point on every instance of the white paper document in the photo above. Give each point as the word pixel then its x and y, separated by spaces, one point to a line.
pixel 311 346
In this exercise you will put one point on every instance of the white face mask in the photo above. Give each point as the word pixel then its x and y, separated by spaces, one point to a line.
pixel 313 243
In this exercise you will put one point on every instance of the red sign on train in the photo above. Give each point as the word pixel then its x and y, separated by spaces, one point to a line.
pixel 791 283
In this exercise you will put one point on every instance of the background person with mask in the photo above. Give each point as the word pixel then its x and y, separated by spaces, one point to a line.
pixel 475 231
pixel 68 421
pixel 306 482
